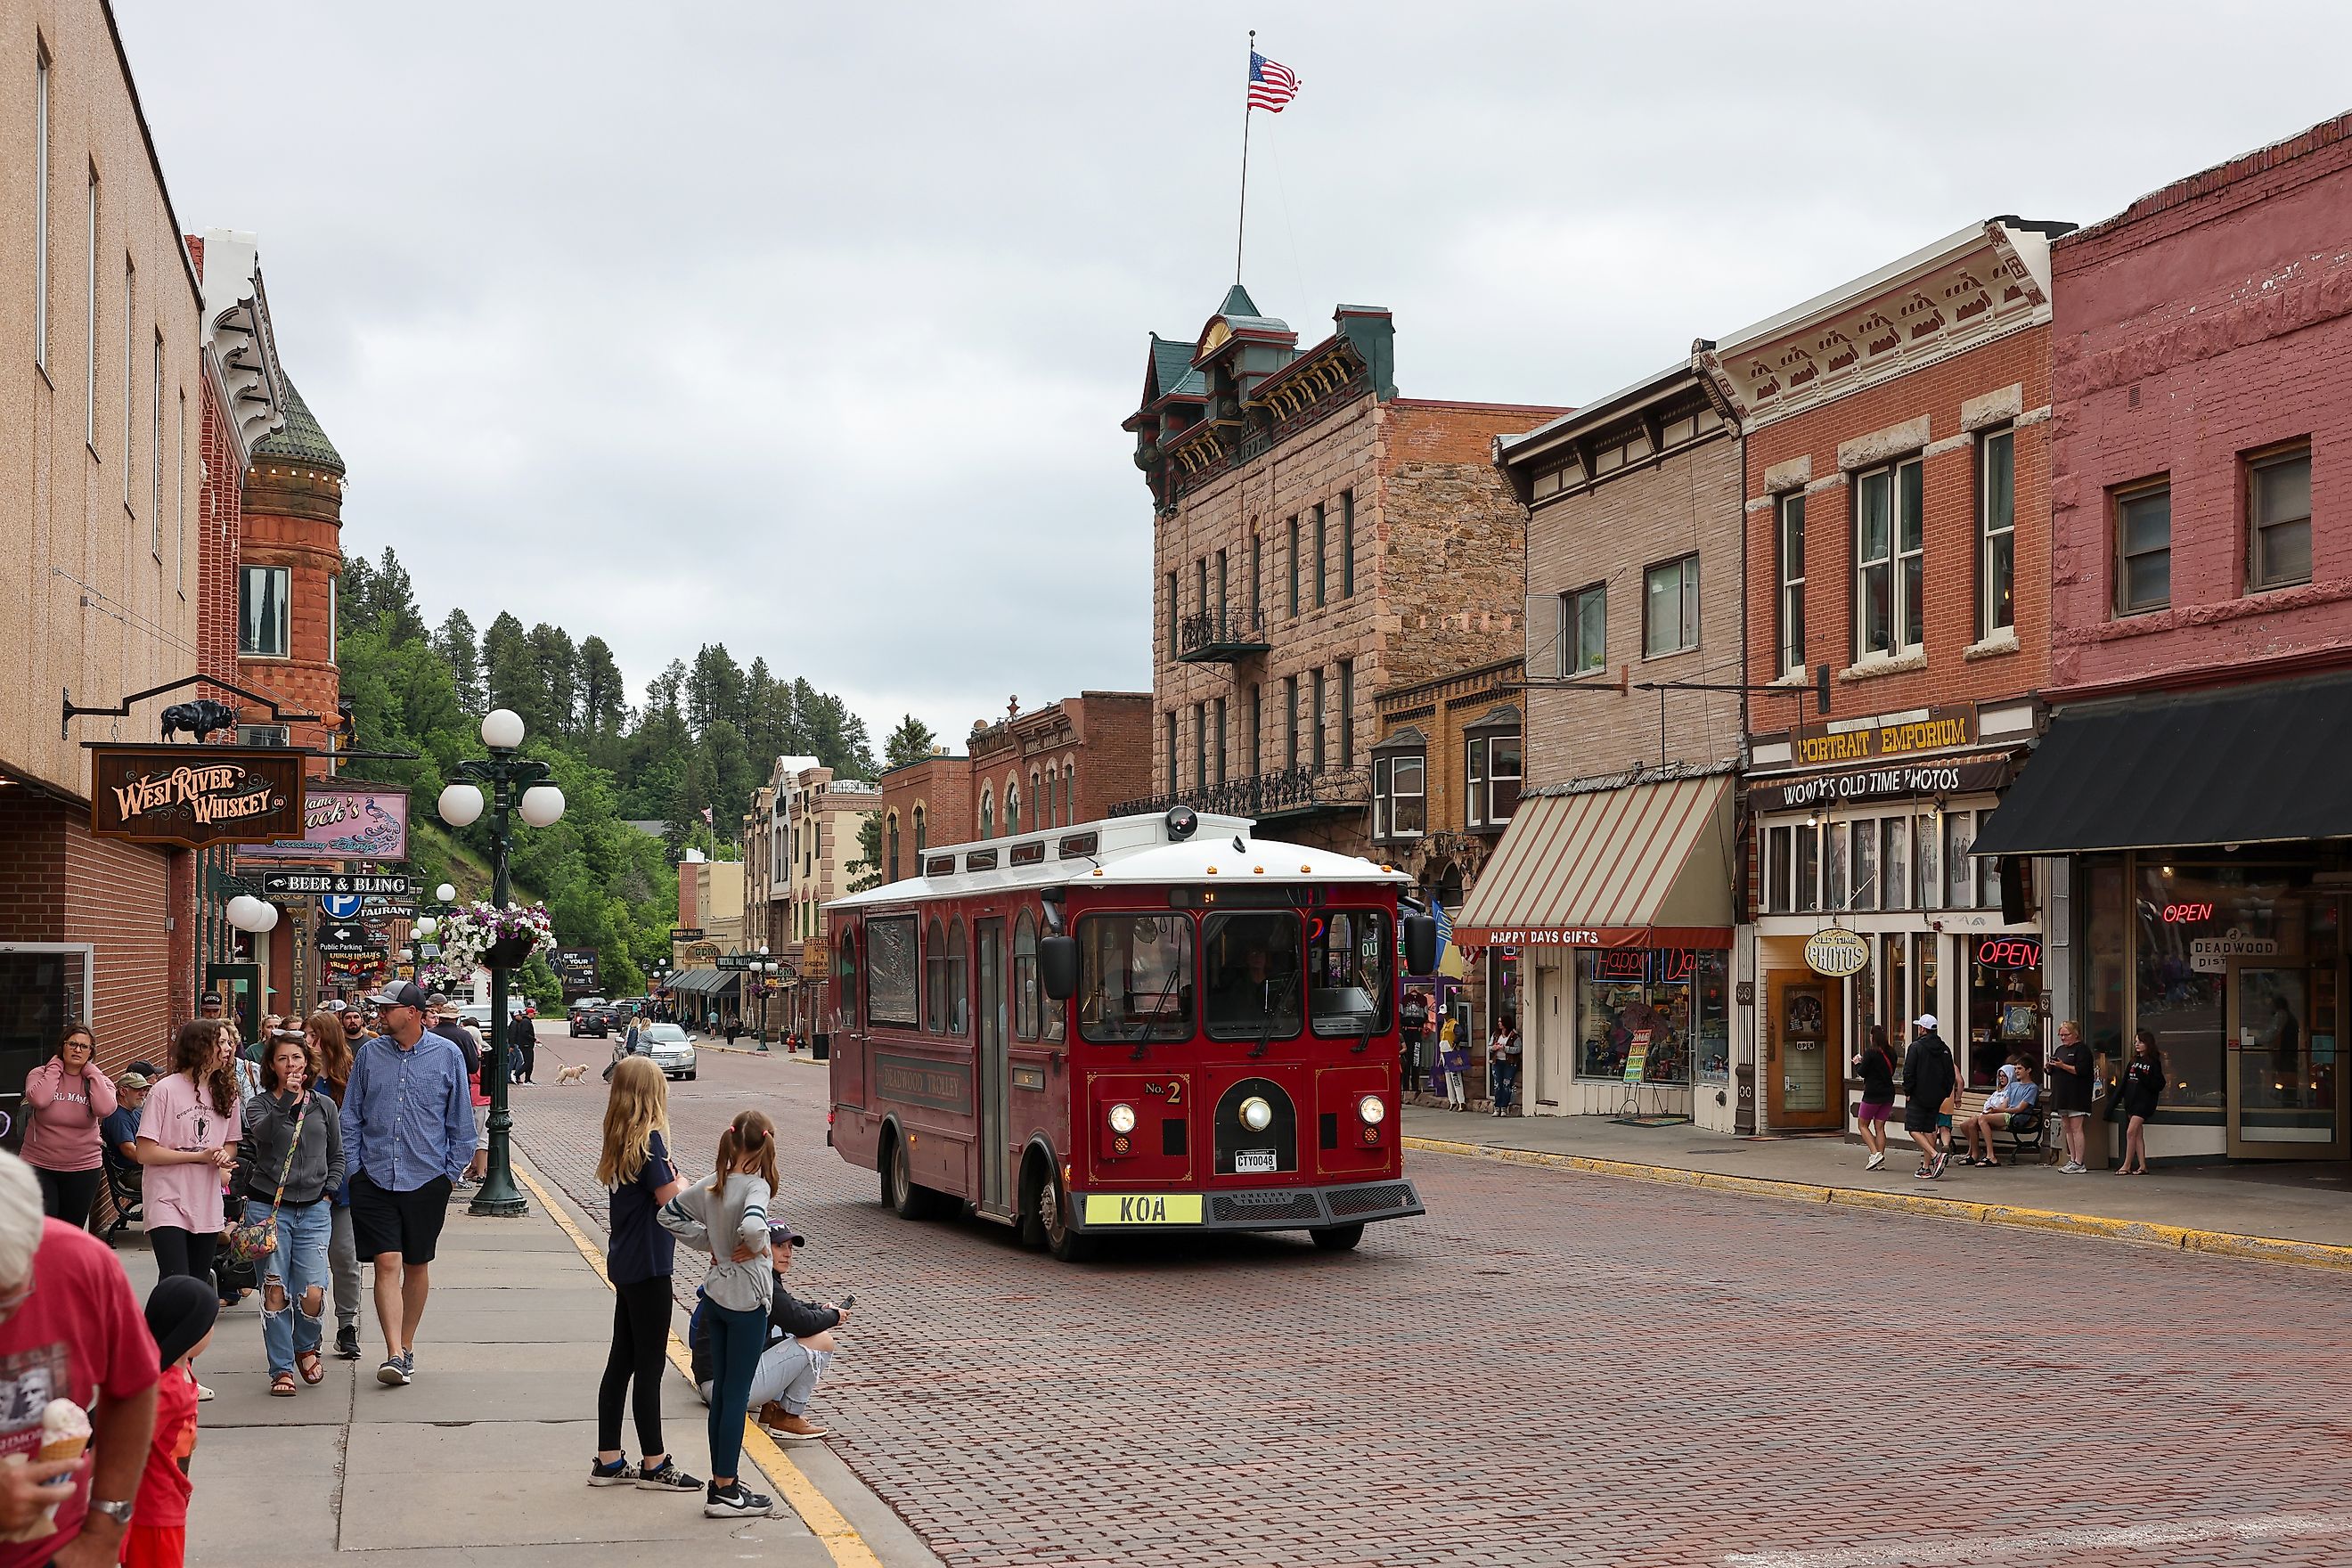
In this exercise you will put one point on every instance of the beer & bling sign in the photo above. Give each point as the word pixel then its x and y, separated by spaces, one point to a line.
pixel 1836 953
pixel 195 795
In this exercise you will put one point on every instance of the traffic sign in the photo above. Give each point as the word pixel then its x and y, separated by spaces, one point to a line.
pixel 339 906
pixel 390 885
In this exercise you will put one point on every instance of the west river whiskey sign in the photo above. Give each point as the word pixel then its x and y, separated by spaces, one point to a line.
pixel 195 795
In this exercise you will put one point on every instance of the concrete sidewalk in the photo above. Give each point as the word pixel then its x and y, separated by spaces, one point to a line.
pixel 2300 1213
pixel 483 1460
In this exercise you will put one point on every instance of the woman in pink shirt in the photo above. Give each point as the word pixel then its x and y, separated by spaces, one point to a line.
pixel 65 1099
pixel 187 1137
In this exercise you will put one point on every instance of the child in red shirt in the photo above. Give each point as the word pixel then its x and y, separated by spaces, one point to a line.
pixel 180 1314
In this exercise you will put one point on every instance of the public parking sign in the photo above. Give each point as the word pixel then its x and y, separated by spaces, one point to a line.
pixel 339 906
pixel 394 886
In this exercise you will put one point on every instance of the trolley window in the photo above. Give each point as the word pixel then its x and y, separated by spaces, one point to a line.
pixel 1025 993
pixel 844 978
pixel 1253 976
pixel 890 971
pixel 1135 977
pixel 1350 962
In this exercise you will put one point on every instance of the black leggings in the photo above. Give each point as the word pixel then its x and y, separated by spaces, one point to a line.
pixel 640 1340
pixel 180 1251
pixel 68 1195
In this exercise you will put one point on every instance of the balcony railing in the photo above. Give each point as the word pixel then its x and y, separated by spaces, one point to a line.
pixel 1220 637
pixel 1292 792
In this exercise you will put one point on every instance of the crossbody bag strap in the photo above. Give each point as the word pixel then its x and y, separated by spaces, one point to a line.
pixel 292 1145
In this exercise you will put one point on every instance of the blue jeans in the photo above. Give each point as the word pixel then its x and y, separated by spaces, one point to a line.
pixel 1504 1082
pixel 736 1342
pixel 299 1264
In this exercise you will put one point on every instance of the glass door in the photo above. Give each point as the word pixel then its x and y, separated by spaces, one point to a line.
pixel 2283 1074
pixel 995 1064
pixel 1804 1076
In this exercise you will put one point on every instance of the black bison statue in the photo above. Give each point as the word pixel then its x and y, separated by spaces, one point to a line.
pixel 200 719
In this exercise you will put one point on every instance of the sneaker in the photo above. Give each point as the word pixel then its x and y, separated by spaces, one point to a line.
pixel 667 1478
pixel 1873 1163
pixel 735 1501
pixel 202 1394
pixel 2072 1168
pixel 786 1427
pixel 347 1342
pixel 396 1371
pixel 619 1473
pixel 1941 1159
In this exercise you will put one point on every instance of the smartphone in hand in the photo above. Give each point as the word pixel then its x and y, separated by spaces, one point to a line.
pixel 849 1301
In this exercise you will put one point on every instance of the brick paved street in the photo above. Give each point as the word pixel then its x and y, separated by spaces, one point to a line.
pixel 1550 1367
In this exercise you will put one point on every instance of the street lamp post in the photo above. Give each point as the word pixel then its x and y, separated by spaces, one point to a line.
pixel 517 784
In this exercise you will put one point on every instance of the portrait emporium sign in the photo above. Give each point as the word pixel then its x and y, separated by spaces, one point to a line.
pixel 344 822
pixel 194 796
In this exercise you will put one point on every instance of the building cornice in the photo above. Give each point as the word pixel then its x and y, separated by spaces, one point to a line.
pixel 238 346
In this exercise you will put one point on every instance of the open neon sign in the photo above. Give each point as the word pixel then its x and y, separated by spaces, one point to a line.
pixel 2188 914
pixel 2010 952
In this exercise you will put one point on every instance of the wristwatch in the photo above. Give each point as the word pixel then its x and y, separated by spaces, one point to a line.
pixel 117 1511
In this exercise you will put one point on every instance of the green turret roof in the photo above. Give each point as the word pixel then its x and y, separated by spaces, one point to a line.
pixel 299 440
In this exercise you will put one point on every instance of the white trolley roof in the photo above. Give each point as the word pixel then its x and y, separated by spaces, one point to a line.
pixel 1127 850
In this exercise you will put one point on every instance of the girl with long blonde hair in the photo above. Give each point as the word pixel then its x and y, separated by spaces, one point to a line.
pixel 728 1218
pixel 639 1254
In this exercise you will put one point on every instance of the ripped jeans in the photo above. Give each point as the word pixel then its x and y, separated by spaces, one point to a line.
pixel 298 1268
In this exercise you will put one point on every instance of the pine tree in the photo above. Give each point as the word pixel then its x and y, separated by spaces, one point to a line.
pixel 911 741
pixel 511 672
pixel 604 696
pixel 456 643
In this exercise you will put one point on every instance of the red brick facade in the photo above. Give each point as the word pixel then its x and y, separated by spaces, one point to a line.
pixel 2210 323
pixel 58 884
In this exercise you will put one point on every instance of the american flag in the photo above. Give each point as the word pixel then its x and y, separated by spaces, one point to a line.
pixel 1270 85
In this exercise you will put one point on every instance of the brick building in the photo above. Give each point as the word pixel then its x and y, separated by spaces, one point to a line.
pixel 1445 783
pixel 2202 658
pixel 1896 485
pixel 1316 539
pixel 819 820
pixel 114 362
pixel 1613 885
pixel 924 802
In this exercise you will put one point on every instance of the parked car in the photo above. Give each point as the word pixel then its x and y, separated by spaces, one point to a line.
pixel 591 1015
pixel 671 1047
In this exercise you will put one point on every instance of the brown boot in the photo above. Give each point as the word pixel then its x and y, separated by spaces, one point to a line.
pixel 780 1423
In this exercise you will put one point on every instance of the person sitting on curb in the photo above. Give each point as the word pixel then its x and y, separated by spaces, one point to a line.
pixel 800 1347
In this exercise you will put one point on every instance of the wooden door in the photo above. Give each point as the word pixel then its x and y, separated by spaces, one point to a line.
pixel 1804 1062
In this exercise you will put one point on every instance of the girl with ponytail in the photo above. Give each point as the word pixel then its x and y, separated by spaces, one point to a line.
pixel 727 1218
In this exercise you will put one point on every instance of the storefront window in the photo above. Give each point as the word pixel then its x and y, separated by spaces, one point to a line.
pixel 2105 955
pixel 1668 1000
pixel 2004 1017
pixel 1502 985
pixel 1895 844
pixel 1833 866
pixel 1809 869
pixel 1899 1011
pixel 1777 877
pixel 1960 833
pixel 1865 865
pixel 1931 885
pixel 2252 916
pixel 1924 952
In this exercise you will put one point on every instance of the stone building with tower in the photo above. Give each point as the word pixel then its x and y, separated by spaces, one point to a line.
pixel 1317 538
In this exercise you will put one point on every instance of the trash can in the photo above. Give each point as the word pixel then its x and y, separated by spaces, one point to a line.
pixel 821 1046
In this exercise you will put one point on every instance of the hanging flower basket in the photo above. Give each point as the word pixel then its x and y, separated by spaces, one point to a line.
pixel 474 936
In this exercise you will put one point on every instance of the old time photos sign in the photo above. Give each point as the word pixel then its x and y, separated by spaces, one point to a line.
pixel 195 795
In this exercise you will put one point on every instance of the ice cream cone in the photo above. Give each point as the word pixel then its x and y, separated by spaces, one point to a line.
pixel 67 1447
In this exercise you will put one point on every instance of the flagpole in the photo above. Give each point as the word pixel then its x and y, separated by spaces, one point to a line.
pixel 1242 219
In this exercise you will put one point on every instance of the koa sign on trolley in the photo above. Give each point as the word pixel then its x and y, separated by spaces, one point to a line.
pixel 195 795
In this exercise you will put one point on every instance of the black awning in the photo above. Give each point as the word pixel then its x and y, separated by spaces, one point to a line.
pixel 2247 764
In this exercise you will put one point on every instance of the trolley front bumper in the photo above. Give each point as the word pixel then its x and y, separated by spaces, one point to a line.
pixel 1249 1208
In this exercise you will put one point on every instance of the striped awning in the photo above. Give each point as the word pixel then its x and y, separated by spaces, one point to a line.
pixel 1643 865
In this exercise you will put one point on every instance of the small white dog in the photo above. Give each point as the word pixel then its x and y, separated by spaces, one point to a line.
pixel 572 1074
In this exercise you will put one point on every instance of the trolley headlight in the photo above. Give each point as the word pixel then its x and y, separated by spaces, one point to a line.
pixel 1370 1108
pixel 1256 1114
pixel 1122 1118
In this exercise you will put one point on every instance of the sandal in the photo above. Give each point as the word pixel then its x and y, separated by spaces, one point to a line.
pixel 281 1386
pixel 313 1371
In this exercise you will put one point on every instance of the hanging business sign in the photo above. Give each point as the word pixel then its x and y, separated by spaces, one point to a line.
pixel 344 822
pixel 1964 775
pixel 391 884
pixel 1836 953
pixel 195 795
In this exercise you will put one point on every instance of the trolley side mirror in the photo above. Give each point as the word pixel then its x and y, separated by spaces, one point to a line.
pixel 1057 966
pixel 1420 944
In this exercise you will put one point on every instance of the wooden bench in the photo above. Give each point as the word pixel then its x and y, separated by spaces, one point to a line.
pixel 2024 1144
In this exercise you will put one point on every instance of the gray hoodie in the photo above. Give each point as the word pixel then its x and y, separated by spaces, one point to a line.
pixel 269 1127
pixel 717 1223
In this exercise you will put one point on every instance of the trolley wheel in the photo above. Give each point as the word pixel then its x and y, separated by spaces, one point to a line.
pixel 1063 1239
pixel 906 1200
pixel 1337 1237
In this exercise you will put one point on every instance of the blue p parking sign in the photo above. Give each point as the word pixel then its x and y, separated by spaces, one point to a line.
pixel 339 906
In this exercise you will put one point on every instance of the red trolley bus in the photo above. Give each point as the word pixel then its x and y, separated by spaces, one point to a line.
pixel 1141 1023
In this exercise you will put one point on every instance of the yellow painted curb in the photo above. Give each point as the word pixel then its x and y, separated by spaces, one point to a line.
pixel 847 1547
pixel 2221 1243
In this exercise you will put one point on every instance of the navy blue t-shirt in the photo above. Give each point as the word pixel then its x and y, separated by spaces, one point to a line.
pixel 639 1248
pixel 122 1127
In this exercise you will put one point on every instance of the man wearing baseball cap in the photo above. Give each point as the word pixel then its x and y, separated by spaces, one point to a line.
pixel 408 1131
pixel 1929 1077
pixel 800 1347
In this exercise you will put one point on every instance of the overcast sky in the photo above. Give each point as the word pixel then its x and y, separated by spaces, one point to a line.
pixel 809 328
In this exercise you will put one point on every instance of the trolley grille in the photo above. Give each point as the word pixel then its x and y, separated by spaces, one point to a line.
pixel 1302 1205
pixel 1369 1200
